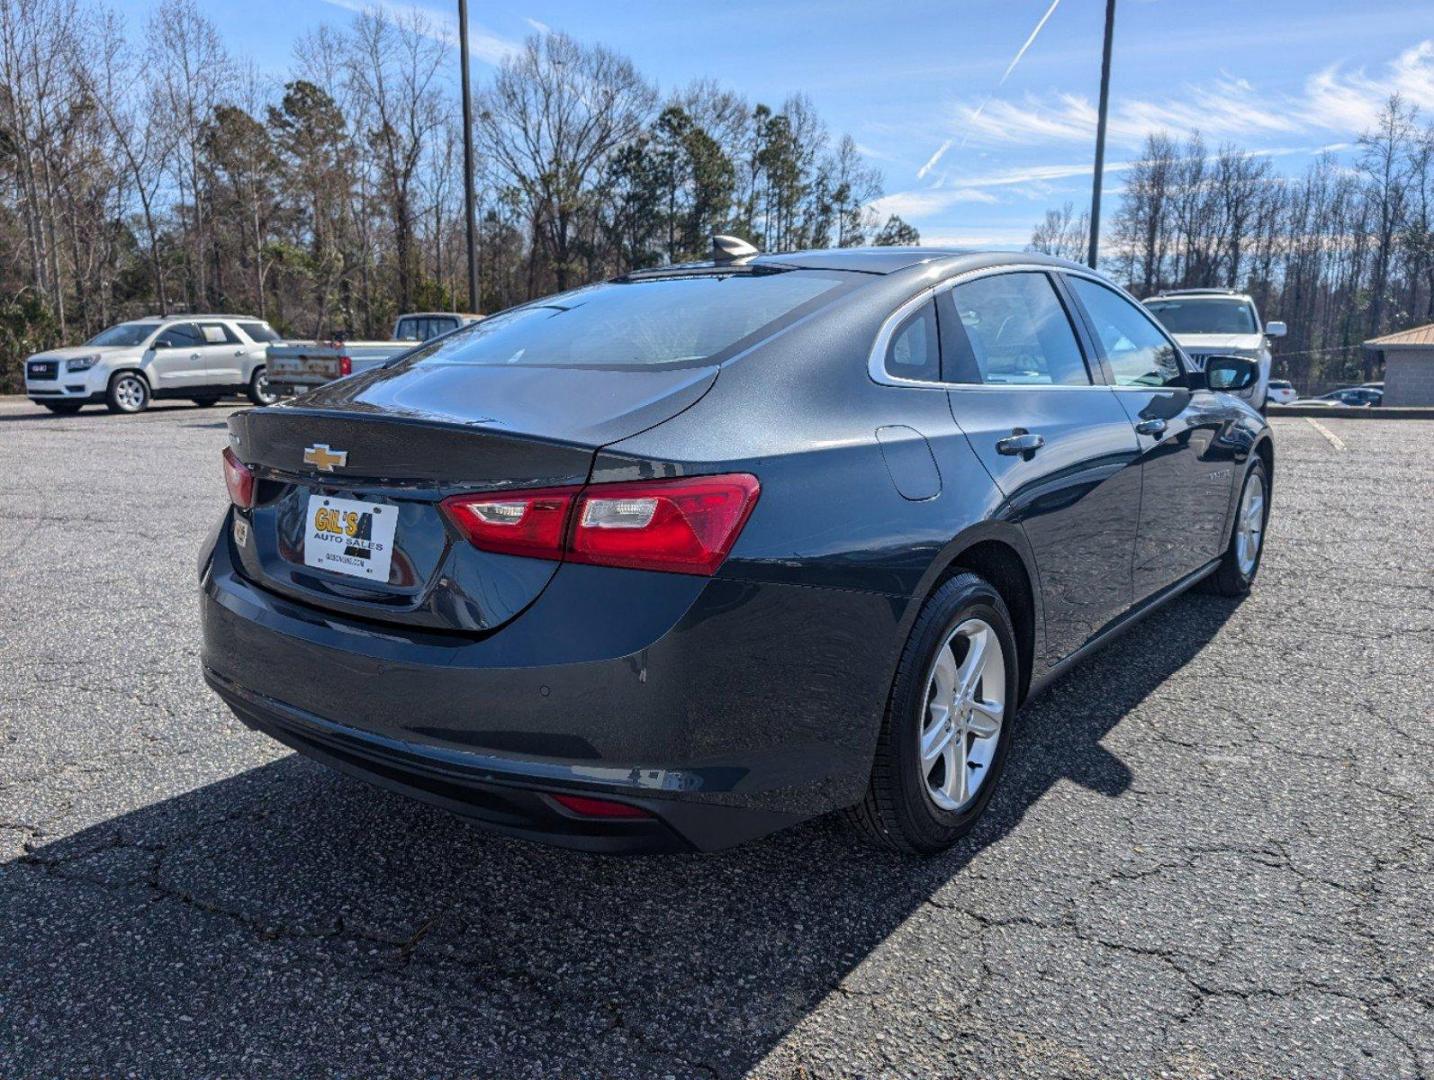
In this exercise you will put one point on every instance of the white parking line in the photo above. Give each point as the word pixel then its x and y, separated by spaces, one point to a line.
pixel 1334 439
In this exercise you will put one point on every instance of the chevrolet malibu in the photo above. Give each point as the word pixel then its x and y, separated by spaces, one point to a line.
pixel 676 560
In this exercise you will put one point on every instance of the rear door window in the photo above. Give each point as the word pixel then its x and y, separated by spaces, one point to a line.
pixel 1009 330
pixel 215 333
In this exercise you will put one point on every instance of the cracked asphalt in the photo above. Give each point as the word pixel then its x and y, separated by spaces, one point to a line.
pixel 1210 856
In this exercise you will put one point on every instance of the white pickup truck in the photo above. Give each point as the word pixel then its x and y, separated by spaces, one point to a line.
pixel 297 366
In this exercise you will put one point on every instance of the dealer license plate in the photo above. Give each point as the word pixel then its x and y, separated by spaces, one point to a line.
pixel 350 537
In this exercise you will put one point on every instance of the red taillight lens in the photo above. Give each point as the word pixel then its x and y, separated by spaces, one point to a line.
pixel 683 526
pixel 238 479
pixel 346 365
pixel 599 808
pixel 528 523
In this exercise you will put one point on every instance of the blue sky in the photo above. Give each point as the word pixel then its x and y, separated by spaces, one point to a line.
pixel 909 79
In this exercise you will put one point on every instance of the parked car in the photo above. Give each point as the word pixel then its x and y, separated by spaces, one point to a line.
pixel 298 366
pixel 199 357
pixel 553 572
pixel 1354 396
pixel 1281 392
pixel 1219 322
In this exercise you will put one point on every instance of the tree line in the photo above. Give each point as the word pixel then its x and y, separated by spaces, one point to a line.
pixel 156 172
pixel 1342 252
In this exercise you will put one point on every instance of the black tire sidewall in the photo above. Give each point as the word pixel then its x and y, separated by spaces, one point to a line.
pixel 927 826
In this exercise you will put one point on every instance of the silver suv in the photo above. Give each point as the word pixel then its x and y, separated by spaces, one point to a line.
pixel 1219 322
pixel 199 357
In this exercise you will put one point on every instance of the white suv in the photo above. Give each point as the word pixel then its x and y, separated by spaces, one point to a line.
pixel 199 357
pixel 1219 322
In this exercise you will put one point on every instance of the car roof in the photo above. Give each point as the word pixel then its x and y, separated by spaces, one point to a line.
pixel 440 315
pixel 1224 294
pixel 191 315
pixel 890 260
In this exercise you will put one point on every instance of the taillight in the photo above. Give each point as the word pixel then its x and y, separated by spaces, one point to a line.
pixel 346 366
pixel 239 479
pixel 528 523
pixel 685 526
pixel 681 526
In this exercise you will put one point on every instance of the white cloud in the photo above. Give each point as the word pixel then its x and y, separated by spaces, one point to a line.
pixel 442 25
pixel 909 204
pixel 538 25
pixel 1332 100
pixel 932 160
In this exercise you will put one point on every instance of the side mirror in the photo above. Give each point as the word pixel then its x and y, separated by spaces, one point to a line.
pixel 162 343
pixel 1276 329
pixel 1231 373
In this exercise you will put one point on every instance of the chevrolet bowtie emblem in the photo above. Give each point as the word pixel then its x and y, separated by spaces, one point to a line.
pixel 325 460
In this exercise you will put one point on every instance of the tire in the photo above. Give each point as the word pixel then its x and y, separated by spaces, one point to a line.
pixel 259 391
pixel 905 808
pixel 127 393
pixel 1237 569
pixel 206 402
pixel 62 408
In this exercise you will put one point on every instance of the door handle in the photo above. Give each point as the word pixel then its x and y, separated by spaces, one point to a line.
pixel 1020 442
pixel 1154 427
pixel 238 352
pixel 194 356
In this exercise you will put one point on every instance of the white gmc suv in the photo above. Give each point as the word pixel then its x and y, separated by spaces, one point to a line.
pixel 1219 322
pixel 199 357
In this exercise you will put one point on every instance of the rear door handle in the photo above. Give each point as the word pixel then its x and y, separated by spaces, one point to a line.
pixel 1024 442
pixel 1154 427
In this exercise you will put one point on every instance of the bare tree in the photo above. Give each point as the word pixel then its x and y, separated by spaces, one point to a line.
pixel 556 113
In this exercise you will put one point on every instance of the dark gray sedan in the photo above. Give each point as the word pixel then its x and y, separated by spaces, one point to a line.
pixel 685 557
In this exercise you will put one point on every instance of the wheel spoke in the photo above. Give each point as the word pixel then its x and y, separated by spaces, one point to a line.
pixel 936 739
pixel 954 757
pixel 974 664
pixel 943 675
pixel 985 719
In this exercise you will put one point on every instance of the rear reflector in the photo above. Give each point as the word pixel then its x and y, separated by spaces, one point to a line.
pixel 238 479
pixel 346 366
pixel 685 525
pixel 599 808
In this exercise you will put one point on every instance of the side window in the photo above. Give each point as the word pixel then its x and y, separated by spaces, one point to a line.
pixel 218 334
pixel 181 335
pixel 1139 354
pixel 913 352
pixel 258 332
pixel 1010 330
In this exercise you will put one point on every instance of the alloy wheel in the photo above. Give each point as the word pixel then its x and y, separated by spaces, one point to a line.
pixel 1250 525
pixel 130 393
pixel 965 708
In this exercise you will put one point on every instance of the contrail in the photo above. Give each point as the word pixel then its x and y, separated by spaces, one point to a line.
pixel 940 153
pixel 1012 66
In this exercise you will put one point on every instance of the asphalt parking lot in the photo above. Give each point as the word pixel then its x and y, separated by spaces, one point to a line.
pixel 1212 855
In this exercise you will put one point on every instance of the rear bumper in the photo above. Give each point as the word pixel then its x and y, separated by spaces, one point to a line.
pixel 726 709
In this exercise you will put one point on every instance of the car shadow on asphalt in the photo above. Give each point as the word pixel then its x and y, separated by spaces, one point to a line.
pixel 288 911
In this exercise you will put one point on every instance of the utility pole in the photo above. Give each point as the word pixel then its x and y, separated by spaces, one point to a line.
pixel 473 299
pixel 1100 136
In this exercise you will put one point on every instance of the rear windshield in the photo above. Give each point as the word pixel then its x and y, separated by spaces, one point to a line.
pixel 124 334
pixel 664 321
pixel 423 327
pixel 1205 316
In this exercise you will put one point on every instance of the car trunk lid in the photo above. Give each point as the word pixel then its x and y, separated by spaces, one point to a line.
pixel 378 452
